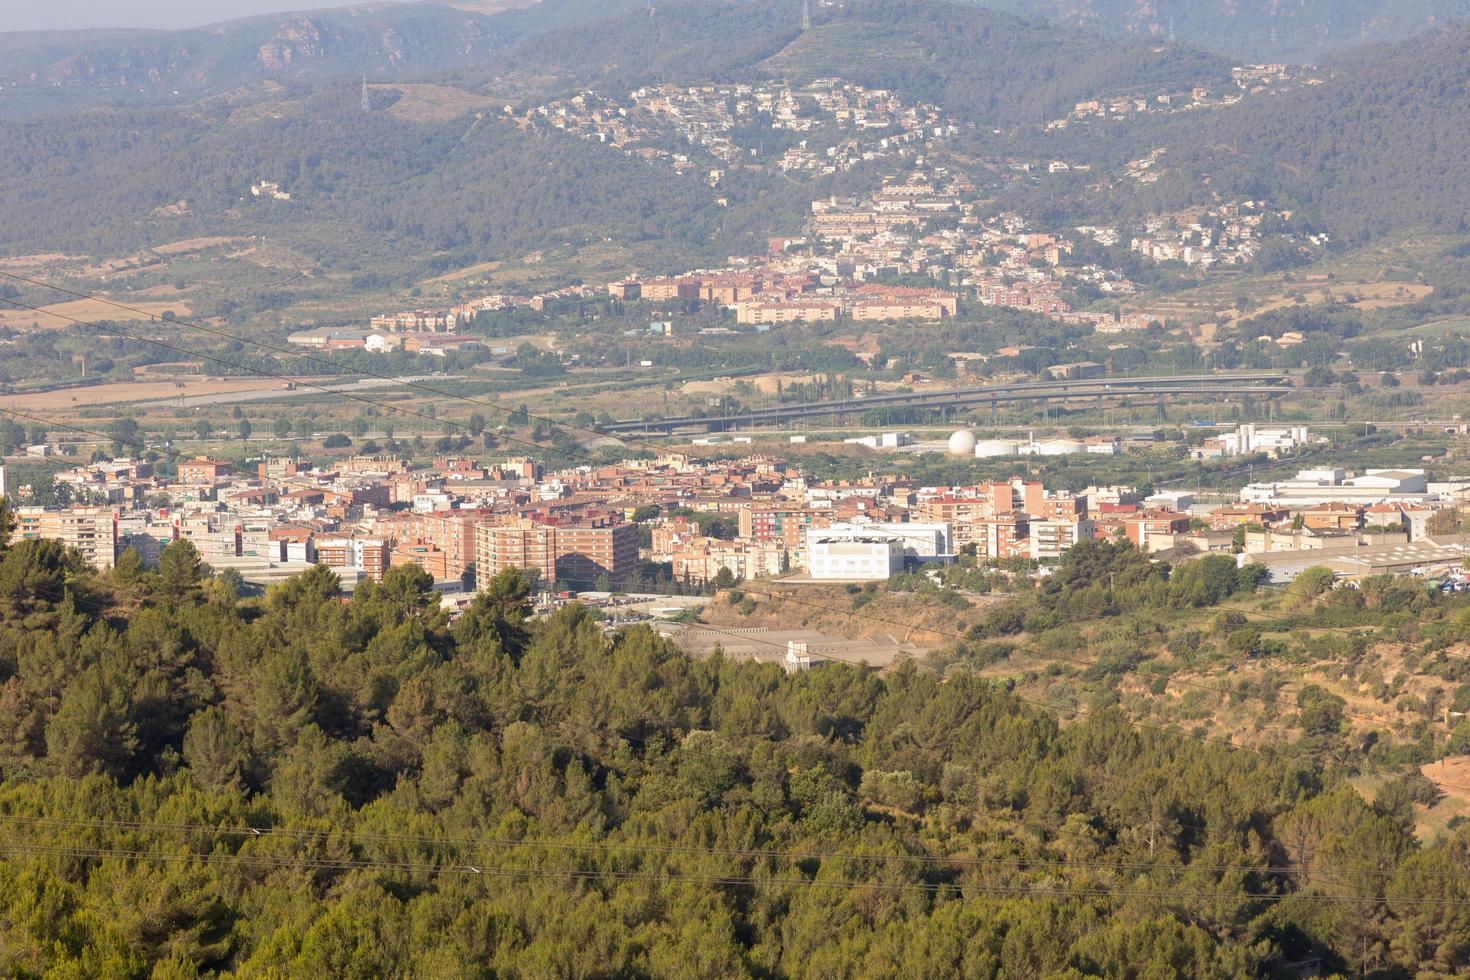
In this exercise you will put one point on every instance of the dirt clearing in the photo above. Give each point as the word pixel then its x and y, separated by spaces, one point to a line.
pixel 129 391
pixel 60 315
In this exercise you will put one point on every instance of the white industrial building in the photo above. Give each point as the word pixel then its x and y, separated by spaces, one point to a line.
pixel 883 440
pixel 993 448
pixel 1180 500
pixel 1249 439
pixel 1326 486
pixel 860 557
pixel 1053 447
pixel 1429 558
pixel 918 540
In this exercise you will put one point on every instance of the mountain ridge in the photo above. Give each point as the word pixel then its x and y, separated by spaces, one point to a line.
pixel 379 39
pixel 1254 29
pixel 993 66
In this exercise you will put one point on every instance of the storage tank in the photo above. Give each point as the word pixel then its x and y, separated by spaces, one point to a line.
pixel 990 448
pixel 1060 447
pixel 962 443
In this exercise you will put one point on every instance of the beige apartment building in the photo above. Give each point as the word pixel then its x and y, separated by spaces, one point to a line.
pixel 92 531
pixel 576 552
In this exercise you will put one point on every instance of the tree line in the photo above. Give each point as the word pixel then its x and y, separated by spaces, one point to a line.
pixel 509 795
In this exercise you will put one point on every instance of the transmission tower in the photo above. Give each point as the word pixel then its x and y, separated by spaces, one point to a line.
pixel 806 15
pixel 366 105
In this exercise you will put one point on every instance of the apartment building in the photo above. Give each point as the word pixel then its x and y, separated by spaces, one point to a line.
pixel 961 513
pixel 429 556
pixel 145 534
pixel 203 471
pixel 369 557
pixel 786 525
pixel 515 544
pixel 213 535
pixel 577 551
pixel 809 312
pixel 879 310
pixel 1003 536
pixel 1050 538
pixel 700 559
pixel 450 531
pixel 593 547
pixel 1154 530
pixel 92 531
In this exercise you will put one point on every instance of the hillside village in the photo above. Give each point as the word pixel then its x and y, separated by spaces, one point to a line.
pixel 825 127
pixel 1249 81
pixel 927 242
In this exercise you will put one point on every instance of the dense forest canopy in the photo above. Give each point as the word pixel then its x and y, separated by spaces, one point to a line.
pixel 195 782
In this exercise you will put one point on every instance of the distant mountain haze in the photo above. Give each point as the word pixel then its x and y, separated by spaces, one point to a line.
pixel 172 15
pixel 82 177
pixel 1262 30
pixel 47 70
pixel 60 69
pixel 64 15
pixel 1378 147
pixel 1301 30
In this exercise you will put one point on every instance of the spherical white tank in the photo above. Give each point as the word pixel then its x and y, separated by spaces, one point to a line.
pixel 962 443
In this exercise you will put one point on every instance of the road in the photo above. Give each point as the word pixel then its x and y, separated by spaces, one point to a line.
pixel 278 390
pixel 1256 384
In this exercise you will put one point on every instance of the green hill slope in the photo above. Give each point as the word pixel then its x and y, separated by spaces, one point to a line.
pixel 95 181
pixel 1384 144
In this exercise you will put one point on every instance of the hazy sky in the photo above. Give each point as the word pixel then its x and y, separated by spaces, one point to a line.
pixel 39 15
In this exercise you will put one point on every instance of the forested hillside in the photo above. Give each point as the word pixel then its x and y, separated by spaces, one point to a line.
pixel 478 187
pixel 1262 30
pixel 983 66
pixel 298 784
pixel 360 184
pixel 1377 149
pixel 1384 145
